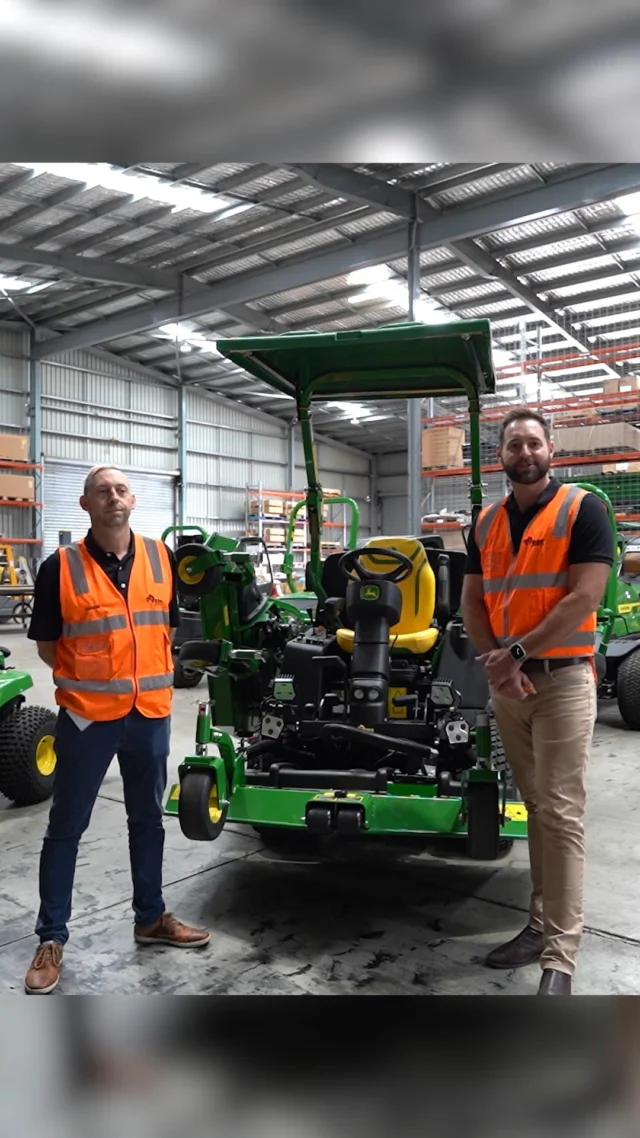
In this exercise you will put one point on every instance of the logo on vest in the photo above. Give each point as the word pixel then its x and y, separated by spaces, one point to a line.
pixel 151 600
pixel 534 541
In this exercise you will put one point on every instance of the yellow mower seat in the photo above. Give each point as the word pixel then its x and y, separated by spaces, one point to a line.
pixel 413 632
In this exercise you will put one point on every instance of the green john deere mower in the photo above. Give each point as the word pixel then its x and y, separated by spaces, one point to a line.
pixel 372 718
pixel 617 658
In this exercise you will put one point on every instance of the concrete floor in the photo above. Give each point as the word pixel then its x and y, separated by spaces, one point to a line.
pixel 371 919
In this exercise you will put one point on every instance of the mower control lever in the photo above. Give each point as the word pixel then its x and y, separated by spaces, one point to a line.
pixel 351 562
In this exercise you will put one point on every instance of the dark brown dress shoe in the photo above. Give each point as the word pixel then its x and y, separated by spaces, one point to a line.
pixel 554 983
pixel 524 949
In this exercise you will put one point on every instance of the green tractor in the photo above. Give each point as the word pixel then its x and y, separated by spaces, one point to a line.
pixel 618 637
pixel 374 717
pixel 27 740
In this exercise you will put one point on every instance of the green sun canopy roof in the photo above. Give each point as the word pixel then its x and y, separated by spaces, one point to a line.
pixel 396 361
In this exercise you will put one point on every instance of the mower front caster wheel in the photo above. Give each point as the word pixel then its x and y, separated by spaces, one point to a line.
pixel 350 821
pixel 483 820
pixel 319 819
pixel 199 813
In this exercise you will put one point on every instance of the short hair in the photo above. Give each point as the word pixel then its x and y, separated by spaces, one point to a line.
pixel 93 473
pixel 518 415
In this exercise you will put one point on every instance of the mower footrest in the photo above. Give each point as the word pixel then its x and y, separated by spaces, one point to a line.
pixel 326 780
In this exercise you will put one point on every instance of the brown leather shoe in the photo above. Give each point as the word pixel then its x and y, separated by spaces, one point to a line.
pixel 554 983
pixel 524 949
pixel 169 930
pixel 44 973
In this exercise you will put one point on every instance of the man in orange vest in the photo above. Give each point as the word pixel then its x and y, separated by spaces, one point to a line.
pixel 103 612
pixel 538 563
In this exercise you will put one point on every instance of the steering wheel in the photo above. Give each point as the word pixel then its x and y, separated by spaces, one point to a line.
pixel 351 562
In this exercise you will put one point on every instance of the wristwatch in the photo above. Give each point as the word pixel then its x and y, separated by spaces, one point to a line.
pixel 518 652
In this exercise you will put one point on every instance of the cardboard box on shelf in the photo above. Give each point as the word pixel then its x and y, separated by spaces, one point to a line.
pixel 612 437
pixel 626 383
pixel 20 486
pixel 274 535
pixel 442 448
pixel 585 415
pixel 14 447
pixel 273 506
pixel 621 468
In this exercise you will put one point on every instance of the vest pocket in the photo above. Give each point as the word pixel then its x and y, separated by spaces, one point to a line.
pixel 94 658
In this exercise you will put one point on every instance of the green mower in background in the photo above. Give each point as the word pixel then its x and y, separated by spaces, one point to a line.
pixel 27 740
pixel 373 718
pixel 617 658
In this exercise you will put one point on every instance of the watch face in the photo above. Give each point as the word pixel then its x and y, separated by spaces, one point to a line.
pixel 517 651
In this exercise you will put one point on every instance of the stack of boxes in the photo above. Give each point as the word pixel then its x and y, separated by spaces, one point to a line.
pixel 20 487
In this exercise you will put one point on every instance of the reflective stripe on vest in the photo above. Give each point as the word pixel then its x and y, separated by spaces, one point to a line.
pixel 483 525
pixel 94 627
pixel 76 569
pixel 157 617
pixel 156 683
pixel 527 581
pixel 154 558
pixel 577 640
pixel 561 524
pixel 112 687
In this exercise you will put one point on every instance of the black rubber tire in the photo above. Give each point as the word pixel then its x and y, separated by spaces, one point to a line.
pixel 210 576
pixel 184 679
pixel 319 819
pixel 350 822
pixel 195 819
pixel 500 760
pixel 20 780
pixel 628 690
pixel 483 823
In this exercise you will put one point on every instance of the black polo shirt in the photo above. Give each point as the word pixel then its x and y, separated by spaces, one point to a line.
pixel 46 620
pixel 591 535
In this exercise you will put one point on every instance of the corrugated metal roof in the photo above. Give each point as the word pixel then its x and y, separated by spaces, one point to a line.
pixel 145 233
pixel 490 184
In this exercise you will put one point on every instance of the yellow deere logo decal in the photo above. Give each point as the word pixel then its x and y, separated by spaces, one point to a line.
pixel 370 593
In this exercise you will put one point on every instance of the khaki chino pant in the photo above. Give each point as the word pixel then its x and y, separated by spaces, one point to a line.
pixel 547 740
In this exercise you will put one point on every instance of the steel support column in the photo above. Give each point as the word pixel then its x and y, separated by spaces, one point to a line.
pixel 374 507
pixel 414 406
pixel 291 457
pixel 181 512
pixel 35 442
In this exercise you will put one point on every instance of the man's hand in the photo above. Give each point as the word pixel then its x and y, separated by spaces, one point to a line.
pixel 500 666
pixel 519 687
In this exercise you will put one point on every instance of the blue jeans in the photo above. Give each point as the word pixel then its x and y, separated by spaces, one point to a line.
pixel 142 747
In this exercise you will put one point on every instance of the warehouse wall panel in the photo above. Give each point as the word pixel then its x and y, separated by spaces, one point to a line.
pixel 95 411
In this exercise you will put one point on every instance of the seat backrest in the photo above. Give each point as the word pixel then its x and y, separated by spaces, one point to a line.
pixel 631 563
pixel 418 590
pixel 333 579
pixel 457 564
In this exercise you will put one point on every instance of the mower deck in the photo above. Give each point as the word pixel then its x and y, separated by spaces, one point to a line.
pixel 404 810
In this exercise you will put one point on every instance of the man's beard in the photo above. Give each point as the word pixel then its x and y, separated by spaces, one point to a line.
pixel 527 476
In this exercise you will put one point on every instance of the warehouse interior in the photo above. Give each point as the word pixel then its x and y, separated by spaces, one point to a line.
pixel 115 285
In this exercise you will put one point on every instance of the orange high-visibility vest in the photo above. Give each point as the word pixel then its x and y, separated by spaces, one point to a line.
pixel 115 654
pixel 520 591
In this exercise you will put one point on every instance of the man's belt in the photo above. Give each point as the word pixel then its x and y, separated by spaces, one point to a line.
pixel 551 665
